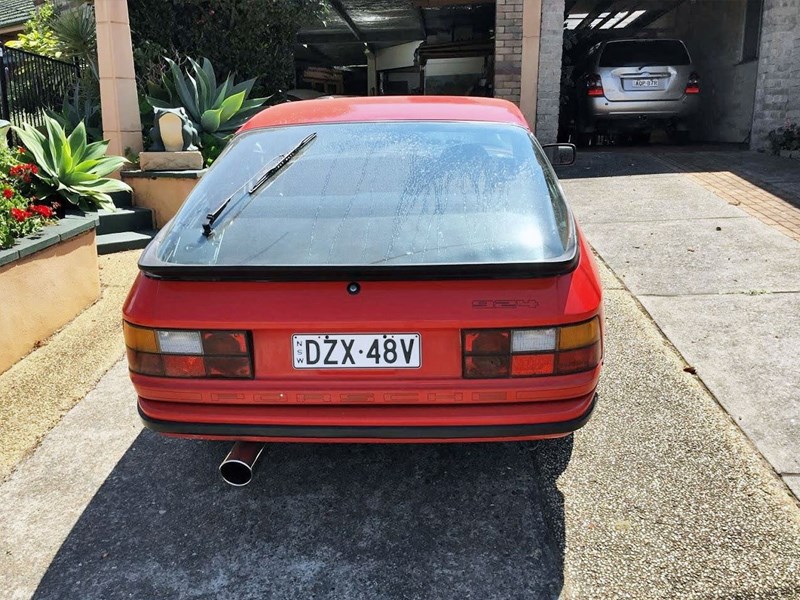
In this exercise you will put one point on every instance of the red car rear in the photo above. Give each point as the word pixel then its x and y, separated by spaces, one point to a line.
pixel 374 269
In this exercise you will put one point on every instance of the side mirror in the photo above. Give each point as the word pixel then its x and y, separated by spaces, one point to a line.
pixel 560 155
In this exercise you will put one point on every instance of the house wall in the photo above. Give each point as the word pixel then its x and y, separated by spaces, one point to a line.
pixel 777 97
pixel 551 44
pixel 528 45
pixel 713 32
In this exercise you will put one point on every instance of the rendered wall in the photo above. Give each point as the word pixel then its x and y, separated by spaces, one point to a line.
pixel 42 292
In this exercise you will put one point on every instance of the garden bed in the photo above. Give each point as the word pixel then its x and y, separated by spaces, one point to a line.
pixel 45 281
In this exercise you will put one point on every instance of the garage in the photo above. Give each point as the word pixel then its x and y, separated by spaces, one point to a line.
pixel 396 47
pixel 712 97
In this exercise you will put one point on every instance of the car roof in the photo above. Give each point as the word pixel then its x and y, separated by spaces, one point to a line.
pixel 388 108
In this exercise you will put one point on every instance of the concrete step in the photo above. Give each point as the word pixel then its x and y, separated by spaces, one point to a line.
pixel 109 243
pixel 131 218
pixel 122 199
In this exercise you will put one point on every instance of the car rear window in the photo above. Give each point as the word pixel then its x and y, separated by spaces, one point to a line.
pixel 644 53
pixel 375 194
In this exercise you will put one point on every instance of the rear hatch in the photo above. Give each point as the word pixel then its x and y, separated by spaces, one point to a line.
pixel 644 70
pixel 369 253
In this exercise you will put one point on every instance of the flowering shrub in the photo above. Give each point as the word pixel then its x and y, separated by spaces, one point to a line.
pixel 21 211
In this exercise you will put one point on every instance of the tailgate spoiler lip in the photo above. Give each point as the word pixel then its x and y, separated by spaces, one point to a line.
pixel 562 266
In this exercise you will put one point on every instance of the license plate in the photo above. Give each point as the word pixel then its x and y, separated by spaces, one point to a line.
pixel 644 83
pixel 356 351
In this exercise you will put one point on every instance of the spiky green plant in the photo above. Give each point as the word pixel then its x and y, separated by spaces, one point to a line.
pixel 71 167
pixel 217 110
pixel 79 107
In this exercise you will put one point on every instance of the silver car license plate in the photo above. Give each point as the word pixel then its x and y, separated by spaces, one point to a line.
pixel 356 351
pixel 644 83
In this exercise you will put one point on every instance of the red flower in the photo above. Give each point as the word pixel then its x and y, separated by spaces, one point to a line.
pixel 21 150
pixel 15 170
pixel 43 211
pixel 34 169
pixel 20 215
pixel 8 193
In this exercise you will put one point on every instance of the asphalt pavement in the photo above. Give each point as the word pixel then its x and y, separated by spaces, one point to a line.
pixel 660 495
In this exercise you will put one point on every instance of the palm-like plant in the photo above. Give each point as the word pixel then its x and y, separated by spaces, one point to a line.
pixel 71 167
pixel 217 110
pixel 75 31
pixel 79 107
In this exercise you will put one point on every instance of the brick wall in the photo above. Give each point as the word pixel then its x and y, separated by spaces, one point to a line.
pixel 551 44
pixel 508 60
pixel 778 81
pixel 508 50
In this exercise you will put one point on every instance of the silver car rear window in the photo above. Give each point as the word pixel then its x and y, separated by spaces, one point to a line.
pixel 644 53
pixel 376 194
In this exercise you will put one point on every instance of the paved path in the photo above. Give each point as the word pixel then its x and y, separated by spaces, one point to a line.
pixel 723 286
pixel 660 495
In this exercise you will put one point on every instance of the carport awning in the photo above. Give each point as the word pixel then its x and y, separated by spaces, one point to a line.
pixel 355 25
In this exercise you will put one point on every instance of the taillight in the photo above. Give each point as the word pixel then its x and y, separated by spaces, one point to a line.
pixel 188 353
pixel 693 85
pixel 594 85
pixel 498 353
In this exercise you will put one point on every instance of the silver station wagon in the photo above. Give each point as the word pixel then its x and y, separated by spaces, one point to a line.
pixel 636 86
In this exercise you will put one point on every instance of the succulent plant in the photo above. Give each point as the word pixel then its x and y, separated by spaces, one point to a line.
pixel 216 110
pixel 70 167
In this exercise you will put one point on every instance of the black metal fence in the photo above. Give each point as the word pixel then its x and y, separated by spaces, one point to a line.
pixel 30 83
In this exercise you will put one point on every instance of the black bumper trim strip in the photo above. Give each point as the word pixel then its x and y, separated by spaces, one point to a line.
pixel 383 432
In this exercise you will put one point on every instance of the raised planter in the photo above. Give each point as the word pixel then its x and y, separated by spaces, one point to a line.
pixel 45 281
pixel 161 191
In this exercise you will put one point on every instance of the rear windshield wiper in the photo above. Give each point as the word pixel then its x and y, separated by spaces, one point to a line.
pixel 263 178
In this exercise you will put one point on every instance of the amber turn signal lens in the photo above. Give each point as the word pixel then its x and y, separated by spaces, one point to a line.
pixel 577 336
pixel 139 338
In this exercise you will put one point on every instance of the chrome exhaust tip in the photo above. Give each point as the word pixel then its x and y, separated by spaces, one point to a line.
pixel 237 468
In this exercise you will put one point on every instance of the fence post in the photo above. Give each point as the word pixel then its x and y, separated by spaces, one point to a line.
pixel 5 113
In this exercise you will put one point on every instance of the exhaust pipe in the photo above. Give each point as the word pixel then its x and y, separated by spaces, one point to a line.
pixel 237 468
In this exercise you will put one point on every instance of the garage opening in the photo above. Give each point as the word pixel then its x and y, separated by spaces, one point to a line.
pixel 397 47
pixel 678 70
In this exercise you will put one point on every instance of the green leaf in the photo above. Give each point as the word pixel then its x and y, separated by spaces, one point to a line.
pixel 107 165
pixel 223 90
pixel 231 106
pixel 244 86
pixel 96 150
pixel 208 69
pixel 186 97
pixel 156 103
pixel 77 142
pixel 211 119
pixel 30 138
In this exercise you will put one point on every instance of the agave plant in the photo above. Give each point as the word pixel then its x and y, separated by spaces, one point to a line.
pixel 71 167
pixel 217 110
pixel 76 108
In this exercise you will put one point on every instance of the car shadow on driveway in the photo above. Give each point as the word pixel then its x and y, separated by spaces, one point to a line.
pixel 321 521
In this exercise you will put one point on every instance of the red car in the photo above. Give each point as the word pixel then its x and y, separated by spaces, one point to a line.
pixel 394 269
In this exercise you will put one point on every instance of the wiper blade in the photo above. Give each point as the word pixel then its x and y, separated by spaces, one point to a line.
pixel 212 216
pixel 260 181
pixel 287 158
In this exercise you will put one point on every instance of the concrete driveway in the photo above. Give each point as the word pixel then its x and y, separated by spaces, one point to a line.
pixel 660 495
pixel 723 285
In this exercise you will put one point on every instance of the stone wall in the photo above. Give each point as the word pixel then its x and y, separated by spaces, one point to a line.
pixel 714 39
pixel 508 50
pixel 777 97
pixel 551 44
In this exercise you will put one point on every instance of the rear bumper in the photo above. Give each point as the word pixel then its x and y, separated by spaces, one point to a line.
pixel 455 423
pixel 602 109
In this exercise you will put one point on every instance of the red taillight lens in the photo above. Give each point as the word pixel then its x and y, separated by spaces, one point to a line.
pixel 487 342
pixel 186 353
pixel 693 85
pixel 494 353
pixel 594 85
pixel 582 359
